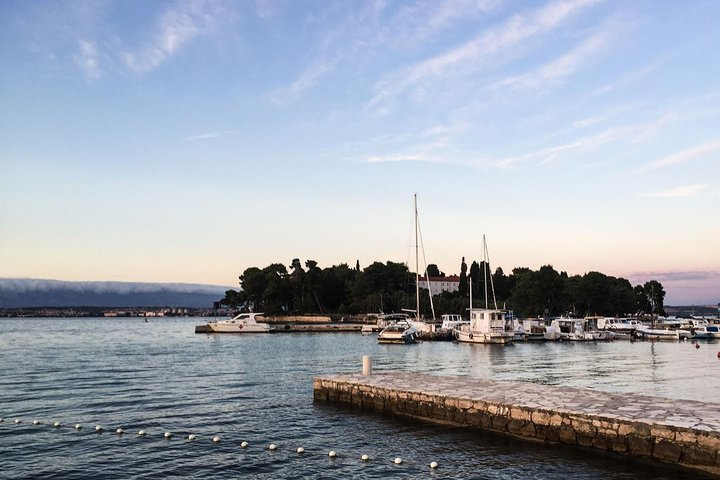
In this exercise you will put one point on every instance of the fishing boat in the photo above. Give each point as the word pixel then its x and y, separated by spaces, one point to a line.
pixel 242 323
pixel 487 325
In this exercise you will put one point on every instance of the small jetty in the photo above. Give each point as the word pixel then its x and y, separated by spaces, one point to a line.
pixel 680 432
pixel 298 328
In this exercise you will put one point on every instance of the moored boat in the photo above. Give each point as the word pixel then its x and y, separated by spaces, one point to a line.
pixel 649 333
pixel 486 326
pixel 242 323
pixel 398 332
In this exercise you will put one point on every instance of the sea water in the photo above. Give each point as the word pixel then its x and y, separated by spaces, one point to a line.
pixel 161 377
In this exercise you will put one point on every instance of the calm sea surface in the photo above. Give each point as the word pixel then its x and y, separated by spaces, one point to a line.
pixel 161 376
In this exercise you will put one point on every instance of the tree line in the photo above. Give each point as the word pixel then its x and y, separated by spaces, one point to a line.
pixel 390 287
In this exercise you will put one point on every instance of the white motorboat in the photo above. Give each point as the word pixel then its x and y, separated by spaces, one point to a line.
pixel 649 333
pixel 242 323
pixel 532 329
pixel 552 331
pixel 451 321
pixel 707 332
pixel 619 325
pixel 398 332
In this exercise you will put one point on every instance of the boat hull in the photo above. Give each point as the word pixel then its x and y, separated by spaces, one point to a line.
pixel 489 338
pixel 657 334
pixel 238 328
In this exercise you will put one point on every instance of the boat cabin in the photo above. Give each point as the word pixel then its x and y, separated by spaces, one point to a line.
pixel 488 321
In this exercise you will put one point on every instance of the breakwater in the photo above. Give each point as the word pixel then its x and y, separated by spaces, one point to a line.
pixel 684 433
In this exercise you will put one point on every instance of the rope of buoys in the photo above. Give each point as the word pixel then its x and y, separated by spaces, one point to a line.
pixel 216 439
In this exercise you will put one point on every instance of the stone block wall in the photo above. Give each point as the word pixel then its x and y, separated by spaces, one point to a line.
pixel 683 446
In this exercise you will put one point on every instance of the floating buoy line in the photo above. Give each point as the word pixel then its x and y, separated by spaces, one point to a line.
pixel 167 435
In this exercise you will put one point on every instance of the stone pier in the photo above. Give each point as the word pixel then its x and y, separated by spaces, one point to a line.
pixel 681 432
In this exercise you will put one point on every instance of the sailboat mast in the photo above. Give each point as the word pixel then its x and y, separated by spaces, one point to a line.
pixel 485 269
pixel 417 264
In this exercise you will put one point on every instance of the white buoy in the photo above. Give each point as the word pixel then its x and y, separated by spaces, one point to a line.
pixel 119 431
pixel 398 461
pixel 332 454
pixel 433 465
pixel 36 422
pixel 57 424
pixel 168 434
pixel 17 420
pixel 2 420
pixel 78 426
pixel 98 428
pixel 364 458
pixel 243 444
pixel 272 447
pixel 216 439
pixel 300 450
pixel 192 437
pixel 142 433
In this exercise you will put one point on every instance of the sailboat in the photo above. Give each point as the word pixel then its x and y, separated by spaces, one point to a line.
pixel 407 330
pixel 487 325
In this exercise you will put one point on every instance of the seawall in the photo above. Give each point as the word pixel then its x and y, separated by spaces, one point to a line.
pixel 684 433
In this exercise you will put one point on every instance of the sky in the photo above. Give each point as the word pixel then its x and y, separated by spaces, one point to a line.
pixel 185 141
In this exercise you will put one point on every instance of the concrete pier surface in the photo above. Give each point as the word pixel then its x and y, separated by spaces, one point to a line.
pixel 680 432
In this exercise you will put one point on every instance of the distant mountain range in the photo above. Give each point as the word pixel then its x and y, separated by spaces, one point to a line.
pixel 24 292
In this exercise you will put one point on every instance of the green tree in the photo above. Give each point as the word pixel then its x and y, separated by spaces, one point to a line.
pixel 253 283
pixel 434 271
pixel 475 279
pixel 297 280
pixel 234 298
pixel 278 293
pixel 463 287
pixel 656 295
pixel 313 283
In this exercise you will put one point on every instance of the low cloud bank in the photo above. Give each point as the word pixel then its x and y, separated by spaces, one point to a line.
pixel 27 292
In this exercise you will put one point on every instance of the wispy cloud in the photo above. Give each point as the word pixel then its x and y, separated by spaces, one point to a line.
pixel 87 59
pixel 632 77
pixel 175 29
pixel 688 191
pixel 207 136
pixel 470 55
pixel 308 79
pixel 559 68
pixel 364 33
pixel 684 156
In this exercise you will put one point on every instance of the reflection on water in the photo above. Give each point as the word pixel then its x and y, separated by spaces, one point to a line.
pixel 160 376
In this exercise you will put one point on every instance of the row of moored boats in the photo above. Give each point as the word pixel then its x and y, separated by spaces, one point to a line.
pixel 494 326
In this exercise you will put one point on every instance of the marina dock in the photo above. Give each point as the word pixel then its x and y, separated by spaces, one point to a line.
pixel 680 432
pixel 301 328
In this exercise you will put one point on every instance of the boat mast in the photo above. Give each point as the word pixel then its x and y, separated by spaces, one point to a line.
pixel 417 265
pixel 485 269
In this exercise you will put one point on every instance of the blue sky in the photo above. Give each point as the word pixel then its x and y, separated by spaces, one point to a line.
pixel 185 141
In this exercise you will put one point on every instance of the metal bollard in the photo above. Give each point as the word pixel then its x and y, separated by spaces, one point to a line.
pixel 367 365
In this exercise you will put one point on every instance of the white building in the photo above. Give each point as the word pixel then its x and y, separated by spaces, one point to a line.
pixel 441 284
